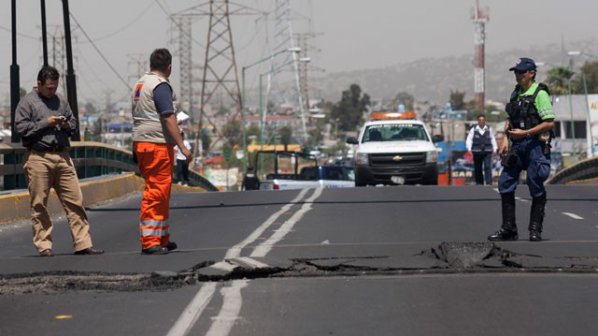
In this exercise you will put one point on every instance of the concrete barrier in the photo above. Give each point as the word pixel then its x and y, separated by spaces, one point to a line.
pixel 15 206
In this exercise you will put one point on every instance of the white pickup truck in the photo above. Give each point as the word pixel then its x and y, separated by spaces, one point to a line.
pixel 395 148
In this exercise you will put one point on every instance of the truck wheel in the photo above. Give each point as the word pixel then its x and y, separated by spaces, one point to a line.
pixel 360 182
pixel 432 181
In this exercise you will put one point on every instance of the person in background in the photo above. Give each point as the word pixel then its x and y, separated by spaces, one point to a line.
pixel 481 142
pixel 155 133
pixel 44 121
pixel 529 127
pixel 182 165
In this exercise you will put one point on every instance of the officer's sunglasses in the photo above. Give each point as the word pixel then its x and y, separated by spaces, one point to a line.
pixel 521 72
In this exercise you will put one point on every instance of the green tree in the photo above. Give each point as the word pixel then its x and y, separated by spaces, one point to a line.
pixel 286 134
pixel 590 71
pixel 558 80
pixel 457 100
pixel 349 111
pixel 232 132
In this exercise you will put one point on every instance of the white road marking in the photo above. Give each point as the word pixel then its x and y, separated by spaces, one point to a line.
pixel 190 315
pixel 235 251
pixel 232 295
pixel 229 313
pixel 572 215
pixel 262 249
pixel 325 242
pixel 252 262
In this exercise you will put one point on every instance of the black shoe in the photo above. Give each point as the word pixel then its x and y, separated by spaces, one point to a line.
pixel 503 235
pixel 155 250
pixel 171 246
pixel 535 236
pixel 46 253
pixel 89 251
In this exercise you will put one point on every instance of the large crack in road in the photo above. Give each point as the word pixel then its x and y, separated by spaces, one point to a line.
pixel 446 258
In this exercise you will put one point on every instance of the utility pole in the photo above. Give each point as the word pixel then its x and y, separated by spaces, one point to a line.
pixel 479 17
pixel 71 80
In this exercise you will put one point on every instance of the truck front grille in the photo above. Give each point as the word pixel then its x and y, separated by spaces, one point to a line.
pixel 396 160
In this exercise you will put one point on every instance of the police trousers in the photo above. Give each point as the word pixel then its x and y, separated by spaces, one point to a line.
pixel 530 157
pixel 155 162
pixel 45 170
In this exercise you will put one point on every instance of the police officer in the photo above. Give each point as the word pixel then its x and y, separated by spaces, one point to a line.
pixel 529 127
pixel 481 142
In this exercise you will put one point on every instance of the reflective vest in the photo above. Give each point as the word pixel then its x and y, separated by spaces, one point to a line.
pixel 147 126
pixel 481 142
pixel 522 110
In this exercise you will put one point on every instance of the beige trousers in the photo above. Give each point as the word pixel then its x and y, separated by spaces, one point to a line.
pixel 45 170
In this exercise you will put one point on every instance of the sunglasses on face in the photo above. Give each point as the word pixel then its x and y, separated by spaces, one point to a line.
pixel 520 72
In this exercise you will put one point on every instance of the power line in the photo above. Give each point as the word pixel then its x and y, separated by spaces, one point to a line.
pixel 121 29
pixel 100 53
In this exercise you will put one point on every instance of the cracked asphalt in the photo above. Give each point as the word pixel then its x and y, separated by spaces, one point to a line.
pixel 383 261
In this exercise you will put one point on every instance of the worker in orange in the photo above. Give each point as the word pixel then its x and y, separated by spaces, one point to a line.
pixel 155 133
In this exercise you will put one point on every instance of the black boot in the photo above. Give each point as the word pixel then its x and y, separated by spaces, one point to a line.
pixel 508 229
pixel 536 218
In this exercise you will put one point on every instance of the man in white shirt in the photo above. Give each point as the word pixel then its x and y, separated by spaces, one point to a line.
pixel 182 165
pixel 481 142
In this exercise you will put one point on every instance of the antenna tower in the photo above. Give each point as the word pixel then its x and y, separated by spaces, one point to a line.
pixel 479 17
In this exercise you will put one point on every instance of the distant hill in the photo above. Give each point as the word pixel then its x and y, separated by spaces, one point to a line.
pixel 432 79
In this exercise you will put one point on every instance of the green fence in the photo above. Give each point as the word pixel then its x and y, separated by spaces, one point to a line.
pixel 90 158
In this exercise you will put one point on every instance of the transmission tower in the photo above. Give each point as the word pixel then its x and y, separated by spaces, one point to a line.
pixel 183 25
pixel 479 16
pixel 59 54
pixel 220 77
pixel 285 39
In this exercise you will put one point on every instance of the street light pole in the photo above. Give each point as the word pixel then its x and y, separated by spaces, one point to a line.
pixel 243 98
pixel 589 136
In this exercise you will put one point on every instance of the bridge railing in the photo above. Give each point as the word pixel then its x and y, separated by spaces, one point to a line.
pixel 583 170
pixel 90 158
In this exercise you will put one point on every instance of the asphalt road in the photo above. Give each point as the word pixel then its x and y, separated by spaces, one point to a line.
pixel 368 261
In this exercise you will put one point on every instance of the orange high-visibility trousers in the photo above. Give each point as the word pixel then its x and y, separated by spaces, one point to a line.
pixel 156 162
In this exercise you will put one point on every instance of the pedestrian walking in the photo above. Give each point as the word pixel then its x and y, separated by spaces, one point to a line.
pixel 529 128
pixel 182 165
pixel 45 122
pixel 481 142
pixel 155 133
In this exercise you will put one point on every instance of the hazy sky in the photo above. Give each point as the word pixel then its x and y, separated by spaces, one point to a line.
pixel 351 34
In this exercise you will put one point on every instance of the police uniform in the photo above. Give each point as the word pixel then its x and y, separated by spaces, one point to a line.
pixel 526 110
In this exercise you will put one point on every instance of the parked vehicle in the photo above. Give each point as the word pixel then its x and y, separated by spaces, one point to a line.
pixel 395 148
pixel 285 170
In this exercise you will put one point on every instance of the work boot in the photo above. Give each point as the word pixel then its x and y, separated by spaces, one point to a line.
pixel 508 229
pixel 536 218
pixel 171 246
pixel 157 249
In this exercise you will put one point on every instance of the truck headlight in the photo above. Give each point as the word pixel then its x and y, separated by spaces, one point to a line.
pixel 362 159
pixel 431 156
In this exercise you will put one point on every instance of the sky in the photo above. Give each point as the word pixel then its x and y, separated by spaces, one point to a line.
pixel 349 34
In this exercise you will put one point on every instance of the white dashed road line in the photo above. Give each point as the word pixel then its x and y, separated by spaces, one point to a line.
pixel 572 215
pixel 232 299
pixel 190 315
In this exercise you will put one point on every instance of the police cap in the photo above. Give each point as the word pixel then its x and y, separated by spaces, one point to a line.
pixel 524 64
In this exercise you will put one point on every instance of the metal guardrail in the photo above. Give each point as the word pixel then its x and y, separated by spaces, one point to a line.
pixel 583 170
pixel 90 158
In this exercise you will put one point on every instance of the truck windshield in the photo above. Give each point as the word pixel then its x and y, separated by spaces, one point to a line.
pixel 394 132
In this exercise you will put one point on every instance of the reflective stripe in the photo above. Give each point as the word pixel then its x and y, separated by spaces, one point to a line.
pixel 152 222
pixel 151 227
pixel 149 232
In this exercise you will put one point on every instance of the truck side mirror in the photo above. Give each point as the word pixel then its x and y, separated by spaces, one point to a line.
pixel 352 140
pixel 437 138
